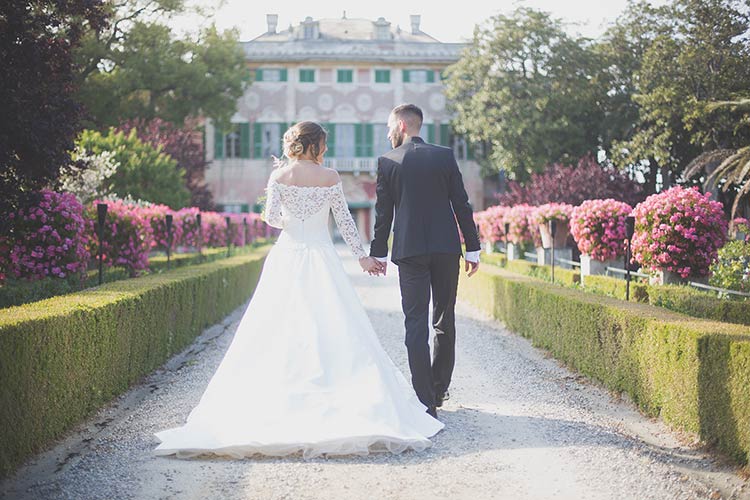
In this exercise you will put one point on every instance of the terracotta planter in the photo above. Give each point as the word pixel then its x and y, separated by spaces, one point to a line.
pixel 562 231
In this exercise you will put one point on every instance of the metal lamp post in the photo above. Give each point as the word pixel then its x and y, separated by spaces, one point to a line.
pixel 630 230
pixel 101 212
pixel 507 229
pixel 244 231
pixel 169 240
pixel 552 228
pixel 229 242
pixel 200 231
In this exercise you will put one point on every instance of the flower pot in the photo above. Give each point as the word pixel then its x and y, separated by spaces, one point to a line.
pixel 489 247
pixel 590 266
pixel 662 277
pixel 513 251
pixel 561 234
pixel 544 256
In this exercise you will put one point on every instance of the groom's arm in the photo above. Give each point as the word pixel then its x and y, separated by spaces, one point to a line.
pixel 464 212
pixel 383 214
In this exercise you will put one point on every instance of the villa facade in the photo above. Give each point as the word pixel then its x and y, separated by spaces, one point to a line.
pixel 346 74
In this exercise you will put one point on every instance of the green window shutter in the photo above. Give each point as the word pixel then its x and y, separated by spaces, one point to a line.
pixel 407 76
pixel 430 76
pixel 257 139
pixel 382 76
pixel 218 144
pixel 307 75
pixel 331 140
pixel 430 133
pixel 245 208
pixel 469 150
pixel 369 139
pixel 283 75
pixel 259 75
pixel 344 76
pixel 358 142
pixel 244 140
pixel 444 134
pixel 282 128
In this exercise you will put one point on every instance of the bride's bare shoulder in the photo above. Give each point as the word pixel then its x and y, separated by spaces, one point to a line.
pixel 331 176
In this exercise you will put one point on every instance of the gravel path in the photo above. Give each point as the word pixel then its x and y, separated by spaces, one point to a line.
pixel 517 426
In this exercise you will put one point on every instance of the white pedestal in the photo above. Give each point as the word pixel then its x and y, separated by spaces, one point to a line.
pixel 544 256
pixel 513 252
pixel 591 266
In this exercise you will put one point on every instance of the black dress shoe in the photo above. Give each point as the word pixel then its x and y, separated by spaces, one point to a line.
pixel 431 411
pixel 440 397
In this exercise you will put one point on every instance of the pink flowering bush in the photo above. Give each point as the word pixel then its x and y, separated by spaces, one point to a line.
pixel 552 211
pixel 519 231
pixel 156 215
pixel 598 227
pixel 214 229
pixel 491 223
pixel 128 236
pixel 48 240
pixel 679 230
pixel 187 219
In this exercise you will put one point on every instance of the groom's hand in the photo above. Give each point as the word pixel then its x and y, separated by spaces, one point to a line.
pixel 472 267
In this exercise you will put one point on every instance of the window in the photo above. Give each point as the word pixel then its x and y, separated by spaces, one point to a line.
pixel 345 140
pixel 232 143
pixel 267 139
pixel 364 138
pixel 380 142
pixel 345 76
pixel 307 75
pixel 270 75
pixel 382 76
pixel 419 76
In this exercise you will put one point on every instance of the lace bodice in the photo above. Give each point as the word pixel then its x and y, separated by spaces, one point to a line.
pixel 300 210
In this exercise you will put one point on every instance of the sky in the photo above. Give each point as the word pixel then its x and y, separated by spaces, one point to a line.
pixel 446 21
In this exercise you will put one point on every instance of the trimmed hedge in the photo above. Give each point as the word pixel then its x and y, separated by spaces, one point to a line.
pixel 694 374
pixel 615 287
pixel 679 298
pixel 63 358
pixel 19 292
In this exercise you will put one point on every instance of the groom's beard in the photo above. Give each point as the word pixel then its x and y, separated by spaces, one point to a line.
pixel 397 140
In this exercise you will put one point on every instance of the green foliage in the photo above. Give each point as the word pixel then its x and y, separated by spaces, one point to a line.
pixel 696 303
pixel 141 71
pixel 616 287
pixel 732 268
pixel 18 292
pixel 63 358
pixel 145 172
pixel 566 277
pixel 699 57
pixel 694 374
pixel 528 91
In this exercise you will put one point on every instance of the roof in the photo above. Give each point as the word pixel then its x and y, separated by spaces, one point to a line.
pixel 350 39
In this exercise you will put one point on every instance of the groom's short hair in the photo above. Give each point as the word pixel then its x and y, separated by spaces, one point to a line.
pixel 409 113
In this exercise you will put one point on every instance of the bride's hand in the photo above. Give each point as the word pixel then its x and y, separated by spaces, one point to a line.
pixel 369 265
pixel 277 162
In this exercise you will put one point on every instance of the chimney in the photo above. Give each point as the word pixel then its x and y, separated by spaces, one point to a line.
pixel 273 21
pixel 415 24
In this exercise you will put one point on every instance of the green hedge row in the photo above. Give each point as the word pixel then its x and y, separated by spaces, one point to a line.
pixel 64 357
pixel 679 298
pixel 694 374
pixel 16 293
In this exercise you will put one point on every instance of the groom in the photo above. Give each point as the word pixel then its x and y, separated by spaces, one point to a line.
pixel 420 191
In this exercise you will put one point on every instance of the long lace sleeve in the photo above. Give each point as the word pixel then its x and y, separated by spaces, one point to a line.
pixel 272 211
pixel 345 223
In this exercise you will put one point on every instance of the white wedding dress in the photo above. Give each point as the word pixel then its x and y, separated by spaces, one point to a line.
pixel 305 371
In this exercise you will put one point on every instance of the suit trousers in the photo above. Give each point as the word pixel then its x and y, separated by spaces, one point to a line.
pixel 418 276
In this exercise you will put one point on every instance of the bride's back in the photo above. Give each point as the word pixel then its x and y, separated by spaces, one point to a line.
pixel 306 174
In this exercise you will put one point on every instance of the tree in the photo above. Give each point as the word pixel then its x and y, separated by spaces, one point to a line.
pixel 185 145
pixel 145 172
pixel 40 116
pixel 622 48
pixel 527 91
pixel 587 180
pixel 137 69
pixel 703 57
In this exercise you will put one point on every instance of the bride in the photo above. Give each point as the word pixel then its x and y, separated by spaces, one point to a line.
pixel 305 371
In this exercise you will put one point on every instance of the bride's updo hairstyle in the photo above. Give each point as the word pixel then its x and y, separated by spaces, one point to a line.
pixel 303 137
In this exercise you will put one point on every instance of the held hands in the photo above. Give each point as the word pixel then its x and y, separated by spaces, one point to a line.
pixel 471 267
pixel 372 266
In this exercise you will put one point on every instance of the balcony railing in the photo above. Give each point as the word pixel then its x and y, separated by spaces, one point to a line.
pixel 353 165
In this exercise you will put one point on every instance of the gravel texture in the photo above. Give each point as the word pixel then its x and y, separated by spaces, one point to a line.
pixel 518 425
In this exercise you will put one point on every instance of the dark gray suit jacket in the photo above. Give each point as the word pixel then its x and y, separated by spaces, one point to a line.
pixel 421 193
